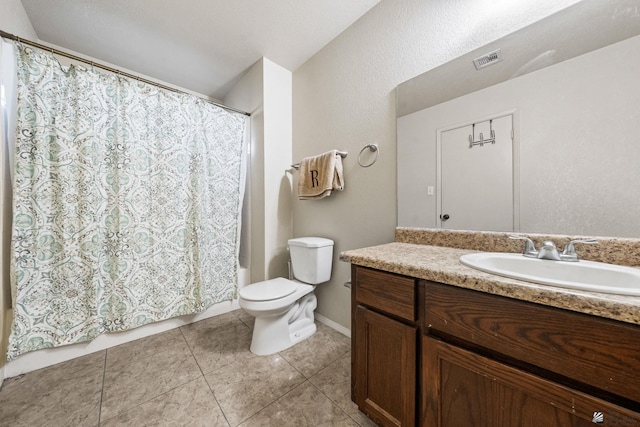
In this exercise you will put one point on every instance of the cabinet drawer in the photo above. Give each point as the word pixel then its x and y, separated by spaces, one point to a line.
pixel 598 352
pixel 388 292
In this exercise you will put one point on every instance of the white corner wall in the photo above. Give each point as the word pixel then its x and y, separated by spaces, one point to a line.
pixel 277 167
pixel 265 91
pixel 344 98
pixel 248 95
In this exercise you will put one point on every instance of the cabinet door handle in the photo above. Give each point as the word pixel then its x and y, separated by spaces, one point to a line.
pixel 444 217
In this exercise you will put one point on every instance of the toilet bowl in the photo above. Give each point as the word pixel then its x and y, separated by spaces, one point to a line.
pixel 284 308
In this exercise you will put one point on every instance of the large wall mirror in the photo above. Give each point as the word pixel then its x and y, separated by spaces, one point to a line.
pixel 570 88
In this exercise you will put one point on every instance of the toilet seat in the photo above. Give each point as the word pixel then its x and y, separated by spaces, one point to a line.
pixel 268 290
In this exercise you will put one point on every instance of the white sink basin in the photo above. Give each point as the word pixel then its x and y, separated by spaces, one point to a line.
pixel 583 275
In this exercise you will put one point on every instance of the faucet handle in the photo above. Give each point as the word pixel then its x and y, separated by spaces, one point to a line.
pixel 569 251
pixel 548 244
pixel 529 246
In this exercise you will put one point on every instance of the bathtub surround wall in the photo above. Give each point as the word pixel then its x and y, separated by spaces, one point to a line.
pixel 6 193
pixel 13 19
pixel 344 97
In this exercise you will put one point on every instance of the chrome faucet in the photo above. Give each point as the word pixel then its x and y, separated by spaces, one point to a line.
pixel 549 251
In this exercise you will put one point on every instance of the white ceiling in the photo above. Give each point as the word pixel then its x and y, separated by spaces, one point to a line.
pixel 201 45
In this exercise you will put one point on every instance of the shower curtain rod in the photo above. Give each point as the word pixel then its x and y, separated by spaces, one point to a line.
pixel 112 70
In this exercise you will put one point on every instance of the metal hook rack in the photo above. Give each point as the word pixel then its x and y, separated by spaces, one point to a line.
pixel 482 141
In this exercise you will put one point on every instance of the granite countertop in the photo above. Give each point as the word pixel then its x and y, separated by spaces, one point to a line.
pixel 441 264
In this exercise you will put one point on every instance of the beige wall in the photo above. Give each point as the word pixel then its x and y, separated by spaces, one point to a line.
pixel 344 98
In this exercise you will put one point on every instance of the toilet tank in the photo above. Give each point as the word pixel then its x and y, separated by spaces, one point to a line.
pixel 311 259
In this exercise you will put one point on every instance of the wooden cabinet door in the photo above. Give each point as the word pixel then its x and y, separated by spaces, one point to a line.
pixel 385 368
pixel 461 388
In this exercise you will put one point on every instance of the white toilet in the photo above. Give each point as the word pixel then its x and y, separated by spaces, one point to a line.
pixel 284 308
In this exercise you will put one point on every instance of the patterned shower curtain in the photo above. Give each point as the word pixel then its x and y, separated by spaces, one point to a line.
pixel 127 201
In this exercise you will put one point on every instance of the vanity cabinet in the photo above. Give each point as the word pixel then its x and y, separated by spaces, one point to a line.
pixel 463 388
pixel 495 361
pixel 486 360
pixel 384 375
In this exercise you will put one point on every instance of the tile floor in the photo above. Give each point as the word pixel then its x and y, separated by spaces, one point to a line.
pixel 201 374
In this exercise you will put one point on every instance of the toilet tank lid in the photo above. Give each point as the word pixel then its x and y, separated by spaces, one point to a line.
pixel 310 242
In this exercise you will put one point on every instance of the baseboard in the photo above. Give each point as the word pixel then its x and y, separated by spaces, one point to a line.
pixel 333 325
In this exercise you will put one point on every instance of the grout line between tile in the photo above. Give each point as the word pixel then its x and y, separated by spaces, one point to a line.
pixel 104 374
pixel 215 399
pixel 191 351
pixel 333 401
pixel 275 400
pixel 154 397
pixel 305 379
pixel 329 397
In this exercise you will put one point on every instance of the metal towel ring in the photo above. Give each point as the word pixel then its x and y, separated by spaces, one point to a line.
pixel 372 147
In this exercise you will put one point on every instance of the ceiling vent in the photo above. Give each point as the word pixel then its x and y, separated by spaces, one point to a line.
pixel 488 59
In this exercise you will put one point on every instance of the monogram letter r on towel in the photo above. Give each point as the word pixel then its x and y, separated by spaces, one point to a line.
pixel 314 178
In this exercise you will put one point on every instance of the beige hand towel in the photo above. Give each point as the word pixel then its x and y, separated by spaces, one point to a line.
pixel 320 175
